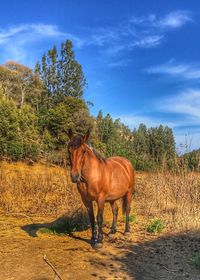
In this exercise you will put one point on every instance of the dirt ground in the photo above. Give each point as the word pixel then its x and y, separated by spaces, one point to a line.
pixel 140 256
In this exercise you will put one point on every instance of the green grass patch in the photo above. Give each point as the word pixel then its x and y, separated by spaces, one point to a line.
pixel 60 228
pixel 132 218
pixel 196 261
pixel 155 226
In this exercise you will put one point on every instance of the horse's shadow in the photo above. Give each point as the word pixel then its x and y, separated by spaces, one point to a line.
pixel 65 224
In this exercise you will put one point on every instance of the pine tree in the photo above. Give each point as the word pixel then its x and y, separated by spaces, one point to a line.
pixel 52 71
pixel 99 120
pixel 73 81
pixel 44 70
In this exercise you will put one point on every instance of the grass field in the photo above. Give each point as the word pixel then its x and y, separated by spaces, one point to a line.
pixel 47 190
pixel 41 214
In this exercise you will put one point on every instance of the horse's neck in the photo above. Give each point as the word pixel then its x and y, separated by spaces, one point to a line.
pixel 91 158
pixel 91 164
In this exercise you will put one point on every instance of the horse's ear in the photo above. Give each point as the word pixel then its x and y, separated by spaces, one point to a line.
pixel 70 133
pixel 131 138
pixel 86 137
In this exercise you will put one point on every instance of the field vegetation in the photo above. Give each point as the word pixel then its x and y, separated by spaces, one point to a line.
pixel 171 199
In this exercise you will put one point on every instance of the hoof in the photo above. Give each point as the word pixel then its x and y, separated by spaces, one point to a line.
pixel 98 245
pixel 127 233
pixel 112 232
pixel 93 241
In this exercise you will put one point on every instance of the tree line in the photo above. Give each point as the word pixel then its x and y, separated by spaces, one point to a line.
pixel 38 106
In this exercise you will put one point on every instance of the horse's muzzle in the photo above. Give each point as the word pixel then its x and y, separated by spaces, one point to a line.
pixel 75 178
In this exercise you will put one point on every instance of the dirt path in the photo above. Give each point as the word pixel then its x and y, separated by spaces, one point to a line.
pixel 139 257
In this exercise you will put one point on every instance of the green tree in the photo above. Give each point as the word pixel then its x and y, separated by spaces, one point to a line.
pixel 29 133
pixel 10 140
pixel 62 75
pixel 24 82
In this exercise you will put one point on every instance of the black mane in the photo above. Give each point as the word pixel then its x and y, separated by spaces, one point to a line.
pixel 78 140
pixel 98 156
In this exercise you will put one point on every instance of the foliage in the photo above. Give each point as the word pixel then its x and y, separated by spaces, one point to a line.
pixel 155 226
pixel 18 129
pixel 196 261
pixel 10 142
pixel 61 74
pixel 147 149
pixel 192 159
pixel 132 218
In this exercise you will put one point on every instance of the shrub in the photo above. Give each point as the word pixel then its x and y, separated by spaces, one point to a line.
pixel 15 150
pixel 196 261
pixel 132 218
pixel 155 226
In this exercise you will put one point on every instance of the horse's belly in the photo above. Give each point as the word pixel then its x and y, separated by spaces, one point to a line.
pixel 118 186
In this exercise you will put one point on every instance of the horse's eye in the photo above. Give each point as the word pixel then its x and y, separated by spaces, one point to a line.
pixel 84 151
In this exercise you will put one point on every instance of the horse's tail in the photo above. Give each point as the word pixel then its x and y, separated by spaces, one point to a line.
pixel 124 203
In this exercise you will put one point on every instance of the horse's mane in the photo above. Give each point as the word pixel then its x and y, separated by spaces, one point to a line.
pixel 98 156
pixel 77 141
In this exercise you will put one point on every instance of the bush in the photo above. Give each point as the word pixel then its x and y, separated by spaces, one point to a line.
pixel 155 226
pixel 132 218
pixel 31 151
pixel 196 261
pixel 15 150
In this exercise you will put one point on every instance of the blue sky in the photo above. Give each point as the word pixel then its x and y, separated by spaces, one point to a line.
pixel 141 59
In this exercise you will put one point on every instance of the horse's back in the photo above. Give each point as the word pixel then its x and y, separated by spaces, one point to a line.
pixel 121 174
pixel 122 163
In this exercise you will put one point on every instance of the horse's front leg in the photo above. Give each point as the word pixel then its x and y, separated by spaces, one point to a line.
pixel 92 221
pixel 100 203
pixel 89 206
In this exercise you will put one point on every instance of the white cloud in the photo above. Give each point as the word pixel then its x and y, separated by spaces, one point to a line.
pixel 119 63
pixel 137 32
pixel 186 103
pixel 16 40
pixel 134 121
pixel 175 19
pixel 171 20
pixel 187 138
pixel 186 109
pixel 24 30
pixel 186 71
pixel 103 36
pixel 147 42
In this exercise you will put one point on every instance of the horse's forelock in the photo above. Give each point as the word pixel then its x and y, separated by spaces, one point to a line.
pixel 76 141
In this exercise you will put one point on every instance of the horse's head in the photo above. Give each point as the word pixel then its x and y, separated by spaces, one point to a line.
pixel 77 149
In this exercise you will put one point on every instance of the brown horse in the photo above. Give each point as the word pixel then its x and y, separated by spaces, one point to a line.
pixel 101 180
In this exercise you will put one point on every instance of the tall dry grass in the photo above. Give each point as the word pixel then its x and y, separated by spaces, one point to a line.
pixel 173 197
pixel 43 190
pixel 36 189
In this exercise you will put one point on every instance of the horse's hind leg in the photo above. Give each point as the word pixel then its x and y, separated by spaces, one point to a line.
pixel 115 213
pixel 100 203
pixel 128 199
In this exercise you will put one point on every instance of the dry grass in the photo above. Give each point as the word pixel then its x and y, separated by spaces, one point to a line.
pixel 174 198
pixel 36 189
pixel 43 190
